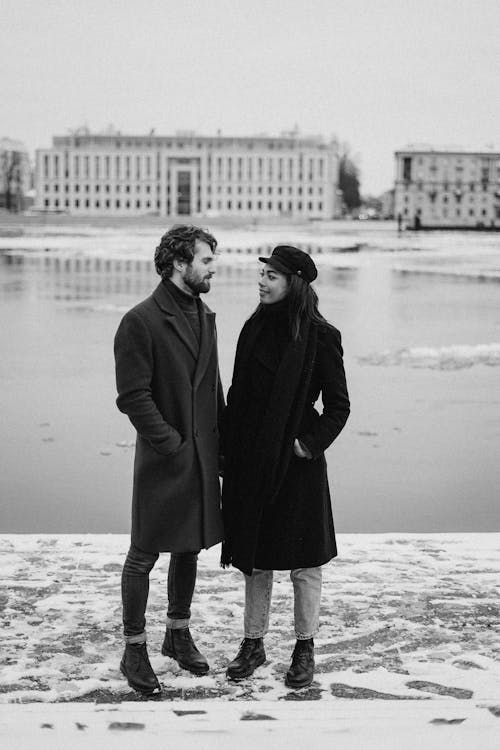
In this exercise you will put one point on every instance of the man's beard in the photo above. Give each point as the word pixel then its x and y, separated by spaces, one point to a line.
pixel 195 284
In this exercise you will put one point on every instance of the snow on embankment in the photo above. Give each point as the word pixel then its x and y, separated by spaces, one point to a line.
pixel 405 617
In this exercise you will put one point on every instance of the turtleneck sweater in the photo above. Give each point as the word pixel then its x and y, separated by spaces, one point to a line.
pixel 189 304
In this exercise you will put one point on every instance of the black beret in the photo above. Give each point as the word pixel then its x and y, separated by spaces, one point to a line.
pixel 291 260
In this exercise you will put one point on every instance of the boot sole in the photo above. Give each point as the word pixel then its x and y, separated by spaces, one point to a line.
pixel 140 690
pixel 298 686
pixel 199 672
pixel 237 677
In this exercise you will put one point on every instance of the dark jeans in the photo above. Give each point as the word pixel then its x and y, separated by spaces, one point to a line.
pixel 135 590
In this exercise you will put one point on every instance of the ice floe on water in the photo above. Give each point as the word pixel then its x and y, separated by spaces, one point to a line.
pixel 456 357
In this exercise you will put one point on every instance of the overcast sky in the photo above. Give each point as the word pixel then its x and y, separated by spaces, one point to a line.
pixel 378 74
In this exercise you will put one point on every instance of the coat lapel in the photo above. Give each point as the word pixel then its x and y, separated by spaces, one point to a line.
pixel 207 339
pixel 176 318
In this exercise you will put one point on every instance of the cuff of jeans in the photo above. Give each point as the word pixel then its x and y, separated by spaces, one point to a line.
pixel 177 624
pixel 141 638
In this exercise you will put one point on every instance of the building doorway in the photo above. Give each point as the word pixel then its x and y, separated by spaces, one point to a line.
pixel 183 192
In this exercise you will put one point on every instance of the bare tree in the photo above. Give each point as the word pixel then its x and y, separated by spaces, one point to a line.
pixel 12 178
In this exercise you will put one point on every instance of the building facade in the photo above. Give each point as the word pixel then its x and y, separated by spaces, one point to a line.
pixel 15 175
pixel 437 188
pixel 186 174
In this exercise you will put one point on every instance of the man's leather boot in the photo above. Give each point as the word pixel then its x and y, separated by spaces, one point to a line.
pixel 180 646
pixel 135 666
pixel 301 670
pixel 250 656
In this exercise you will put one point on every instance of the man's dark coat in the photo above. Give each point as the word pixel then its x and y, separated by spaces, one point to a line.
pixel 277 509
pixel 169 387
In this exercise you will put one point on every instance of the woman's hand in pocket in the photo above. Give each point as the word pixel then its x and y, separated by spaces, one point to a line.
pixel 300 449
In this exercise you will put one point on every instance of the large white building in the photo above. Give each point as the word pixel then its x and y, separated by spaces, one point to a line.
pixel 440 188
pixel 187 174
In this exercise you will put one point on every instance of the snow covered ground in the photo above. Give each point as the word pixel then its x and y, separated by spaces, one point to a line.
pixel 408 650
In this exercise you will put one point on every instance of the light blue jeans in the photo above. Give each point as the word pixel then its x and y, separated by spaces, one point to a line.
pixel 306 596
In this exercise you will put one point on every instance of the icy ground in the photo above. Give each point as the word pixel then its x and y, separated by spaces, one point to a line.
pixel 409 636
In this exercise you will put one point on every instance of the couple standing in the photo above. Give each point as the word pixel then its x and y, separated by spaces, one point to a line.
pixel 276 511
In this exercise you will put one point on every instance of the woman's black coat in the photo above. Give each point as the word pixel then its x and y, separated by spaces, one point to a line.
pixel 276 506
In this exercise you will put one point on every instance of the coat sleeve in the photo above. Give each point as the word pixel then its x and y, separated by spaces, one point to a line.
pixel 134 371
pixel 336 406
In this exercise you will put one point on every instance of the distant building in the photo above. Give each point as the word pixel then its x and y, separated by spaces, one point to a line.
pixel 125 175
pixel 437 188
pixel 387 204
pixel 15 175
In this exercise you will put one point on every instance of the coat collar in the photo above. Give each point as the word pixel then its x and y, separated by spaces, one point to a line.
pixel 177 320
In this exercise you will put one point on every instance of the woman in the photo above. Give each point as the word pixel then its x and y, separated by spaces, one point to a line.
pixel 276 501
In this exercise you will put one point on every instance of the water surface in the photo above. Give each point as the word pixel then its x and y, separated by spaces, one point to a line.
pixel 419 452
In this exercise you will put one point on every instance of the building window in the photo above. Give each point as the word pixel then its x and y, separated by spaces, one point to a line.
pixel 77 203
pixel 97 204
pixel 407 168
pixel 46 203
pixel 117 204
pixel 138 204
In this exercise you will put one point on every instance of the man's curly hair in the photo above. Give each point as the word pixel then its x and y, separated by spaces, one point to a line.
pixel 179 242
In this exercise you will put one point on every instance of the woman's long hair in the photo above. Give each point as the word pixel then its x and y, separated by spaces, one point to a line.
pixel 302 305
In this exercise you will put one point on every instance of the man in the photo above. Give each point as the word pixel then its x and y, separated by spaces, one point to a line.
pixel 168 385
